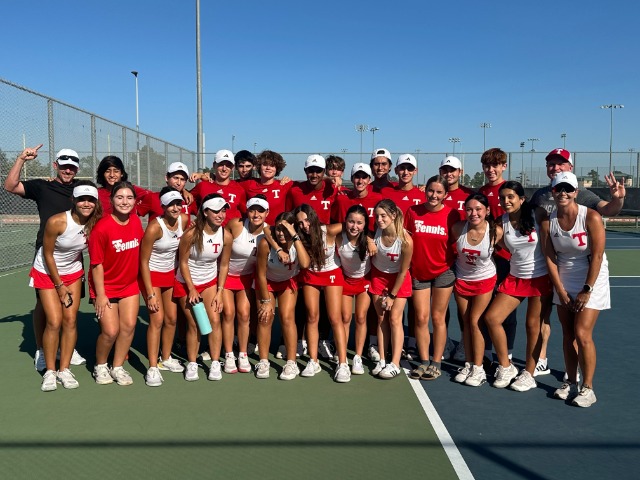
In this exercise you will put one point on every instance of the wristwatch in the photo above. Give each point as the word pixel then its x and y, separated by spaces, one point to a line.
pixel 587 288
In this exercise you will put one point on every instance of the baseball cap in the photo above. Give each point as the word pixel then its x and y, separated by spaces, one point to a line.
pixel 381 152
pixel 451 161
pixel 361 167
pixel 406 158
pixel 66 156
pixel 560 152
pixel 178 167
pixel 224 156
pixel 565 177
pixel 216 204
pixel 315 161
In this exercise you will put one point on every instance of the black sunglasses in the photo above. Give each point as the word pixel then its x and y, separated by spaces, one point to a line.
pixel 314 170
pixel 564 187
pixel 407 166
pixel 67 157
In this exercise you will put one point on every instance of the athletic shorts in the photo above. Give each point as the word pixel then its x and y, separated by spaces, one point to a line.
pixel 475 287
pixel 239 282
pixel 526 287
pixel 332 278
pixel 42 281
pixel 356 286
pixel 445 280
pixel 180 289
pixel 381 281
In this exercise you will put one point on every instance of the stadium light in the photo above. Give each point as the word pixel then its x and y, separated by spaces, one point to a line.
pixel 612 107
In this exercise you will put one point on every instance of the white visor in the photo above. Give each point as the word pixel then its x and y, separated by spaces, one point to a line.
pixel 260 202
pixel 215 204
pixel 170 197
pixel 85 190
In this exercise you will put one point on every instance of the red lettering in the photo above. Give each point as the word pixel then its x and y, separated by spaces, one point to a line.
pixel 531 239
pixel 471 255
pixel 580 236
pixel 393 256
pixel 216 247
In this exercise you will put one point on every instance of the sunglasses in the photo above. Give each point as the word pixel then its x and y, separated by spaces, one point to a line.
pixel 314 170
pixel 407 166
pixel 564 187
pixel 67 157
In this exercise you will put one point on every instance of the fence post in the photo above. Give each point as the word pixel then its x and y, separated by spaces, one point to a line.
pixel 94 148
pixel 149 164
pixel 52 143
pixel 125 157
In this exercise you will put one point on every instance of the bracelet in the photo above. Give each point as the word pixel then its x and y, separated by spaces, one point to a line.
pixel 220 288
pixel 391 296
pixel 295 238
pixel 149 297
pixel 265 300
pixel 60 285
pixel 278 250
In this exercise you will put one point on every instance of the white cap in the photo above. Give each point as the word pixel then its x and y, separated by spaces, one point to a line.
pixel 451 161
pixel 406 158
pixel 381 152
pixel 66 156
pixel 315 161
pixel 85 191
pixel 224 156
pixel 565 177
pixel 361 167
pixel 256 201
pixel 178 167
pixel 216 204
pixel 170 197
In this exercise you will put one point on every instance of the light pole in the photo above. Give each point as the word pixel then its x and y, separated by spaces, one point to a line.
pixel 361 127
pixel 563 136
pixel 532 152
pixel 611 107
pixel 135 74
pixel 631 150
pixel 199 131
pixel 484 127
pixel 255 144
pixel 373 137
pixel 454 140
pixel 522 175
pixel 233 141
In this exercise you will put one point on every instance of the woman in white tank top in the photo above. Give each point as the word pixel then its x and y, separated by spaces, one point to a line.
pixel 579 271
pixel 202 247
pixel 158 255
pixel 57 274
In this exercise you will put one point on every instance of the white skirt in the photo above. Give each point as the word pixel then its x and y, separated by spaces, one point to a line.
pixel 574 280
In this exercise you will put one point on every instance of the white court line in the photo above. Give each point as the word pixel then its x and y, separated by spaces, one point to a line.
pixel 624 276
pixel 455 457
pixel 624 286
pixel 14 272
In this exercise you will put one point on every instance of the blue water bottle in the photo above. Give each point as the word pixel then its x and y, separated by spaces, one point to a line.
pixel 201 318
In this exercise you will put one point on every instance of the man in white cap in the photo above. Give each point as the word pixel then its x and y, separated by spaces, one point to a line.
pixel 560 160
pixel 451 170
pixel 380 167
pixel 405 194
pixel 51 197
pixel 222 184
pixel 177 177
pixel 315 191
pixel 359 195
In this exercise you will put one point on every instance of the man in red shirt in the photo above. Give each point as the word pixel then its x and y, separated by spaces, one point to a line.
pixel 176 177
pixel 380 167
pixel 360 195
pixel 315 191
pixel 222 184
pixel 451 170
pixel 405 194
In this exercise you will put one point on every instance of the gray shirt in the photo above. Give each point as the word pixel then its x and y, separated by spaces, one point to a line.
pixel 543 198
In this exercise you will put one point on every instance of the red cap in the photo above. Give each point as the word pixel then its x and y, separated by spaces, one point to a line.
pixel 560 152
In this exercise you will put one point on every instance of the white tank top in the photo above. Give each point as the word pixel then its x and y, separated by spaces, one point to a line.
pixel 387 259
pixel 203 266
pixel 164 252
pixel 279 272
pixel 331 260
pixel 527 259
pixel 67 251
pixel 474 262
pixel 352 266
pixel 244 251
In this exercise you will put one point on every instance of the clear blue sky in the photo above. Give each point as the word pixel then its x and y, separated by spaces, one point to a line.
pixel 296 76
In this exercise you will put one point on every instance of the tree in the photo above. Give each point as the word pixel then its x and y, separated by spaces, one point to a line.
pixel 595 177
pixel 466 180
pixel 478 180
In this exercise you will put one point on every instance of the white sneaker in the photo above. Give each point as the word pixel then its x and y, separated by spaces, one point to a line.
pixel 389 371
pixel 311 369
pixel 153 378
pixel 290 371
pixel 463 373
pixel 302 348
pixel 205 356
pixel 449 347
pixel 252 348
pixel 325 350
pixel 262 369
pixel 67 379
pixel 215 372
pixel 243 363
pixel 77 359
pixel 256 350
pixel 523 382
pixel 585 398
pixel 541 368
pixel 121 376
pixel 282 352
pixel 378 368
pixel 192 372
pixel 170 364
pixel 229 364
pixel 38 361
pixel 342 374
pixel 459 354
pixel 477 376
pixel 357 368
pixel 505 375
pixel 374 356
pixel 49 382
pixel 567 391
pixel 102 375
pixel 566 377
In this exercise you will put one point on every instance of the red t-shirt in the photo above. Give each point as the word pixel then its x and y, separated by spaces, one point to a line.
pixel 232 192
pixel 151 205
pixel 404 199
pixel 345 202
pixel 276 195
pixel 321 199
pixel 455 200
pixel 492 194
pixel 104 196
pixel 117 248
pixel 433 251
pixel 374 187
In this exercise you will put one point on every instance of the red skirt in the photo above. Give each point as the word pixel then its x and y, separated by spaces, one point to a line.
pixel 381 281
pixel 332 278
pixel 356 286
pixel 239 282
pixel 475 287
pixel 180 289
pixel 291 284
pixel 42 281
pixel 526 287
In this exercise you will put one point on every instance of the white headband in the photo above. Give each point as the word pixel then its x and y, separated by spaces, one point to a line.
pixel 169 197
pixel 260 202
pixel 84 190
pixel 215 204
